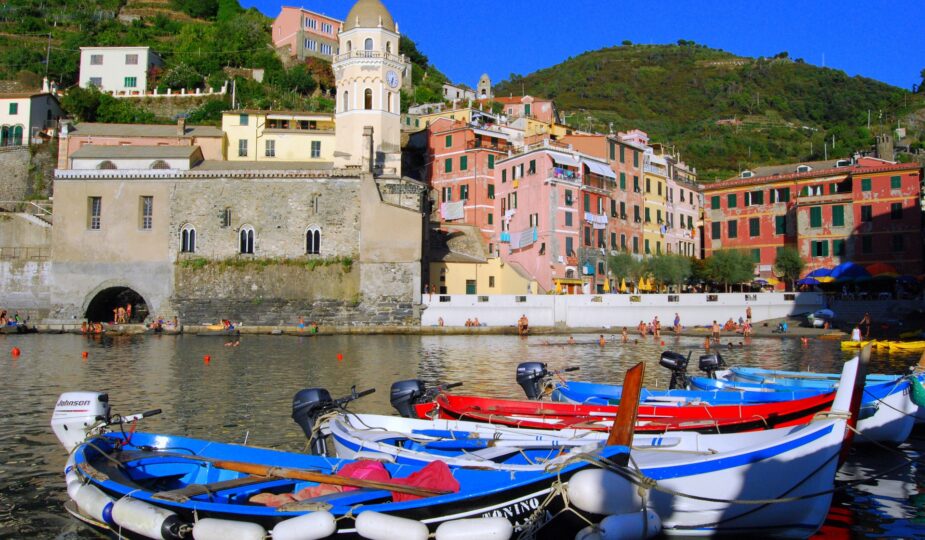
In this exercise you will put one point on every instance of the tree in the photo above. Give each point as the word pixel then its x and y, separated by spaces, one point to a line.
pixel 625 266
pixel 201 9
pixel 789 265
pixel 669 269
pixel 409 48
pixel 82 103
pixel 728 266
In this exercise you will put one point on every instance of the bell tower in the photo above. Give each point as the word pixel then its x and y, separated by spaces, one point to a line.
pixel 369 72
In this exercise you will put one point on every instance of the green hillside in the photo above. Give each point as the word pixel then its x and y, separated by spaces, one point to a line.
pixel 722 112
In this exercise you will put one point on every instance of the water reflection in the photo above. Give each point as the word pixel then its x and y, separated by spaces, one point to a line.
pixel 244 393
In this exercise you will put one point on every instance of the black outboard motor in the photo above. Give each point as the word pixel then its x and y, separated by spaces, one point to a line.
pixel 307 406
pixel 677 364
pixel 405 394
pixel 711 363
pixel 530 377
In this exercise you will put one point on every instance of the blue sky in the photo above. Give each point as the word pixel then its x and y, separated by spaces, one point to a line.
pixel 873 38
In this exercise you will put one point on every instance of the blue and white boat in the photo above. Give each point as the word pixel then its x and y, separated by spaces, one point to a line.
pixel 889 414
pixel 167 487
pixel 724 472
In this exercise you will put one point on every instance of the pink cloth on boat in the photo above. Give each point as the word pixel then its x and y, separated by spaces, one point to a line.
pixel 435 475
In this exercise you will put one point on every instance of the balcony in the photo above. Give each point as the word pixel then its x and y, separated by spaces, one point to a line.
pixel 831 198
pixel 370 54
pixel 597 181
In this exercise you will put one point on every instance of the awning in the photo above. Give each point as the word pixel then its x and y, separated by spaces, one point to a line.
pixel 564 160
pixel 601 169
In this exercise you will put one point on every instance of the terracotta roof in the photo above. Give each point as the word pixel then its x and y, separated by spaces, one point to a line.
pixel 821 172
pixel 215 165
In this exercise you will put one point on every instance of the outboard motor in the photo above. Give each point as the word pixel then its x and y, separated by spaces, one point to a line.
pixel 77 414
pixel 711 363
pixel 677 364
pixel 405 394
pixel 530 377
pixel 307 406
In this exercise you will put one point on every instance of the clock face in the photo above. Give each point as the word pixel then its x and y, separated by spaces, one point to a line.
pixel 392 79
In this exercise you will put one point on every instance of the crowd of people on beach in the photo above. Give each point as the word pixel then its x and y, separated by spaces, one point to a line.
pixel 10 320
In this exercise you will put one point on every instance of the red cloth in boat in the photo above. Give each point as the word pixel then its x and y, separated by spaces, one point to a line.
pixel 435 475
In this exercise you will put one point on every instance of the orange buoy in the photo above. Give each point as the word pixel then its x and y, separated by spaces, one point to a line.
pixel 15 351
pixel 207 359
pixel 663 343
pixel 340 357
pixel 84 354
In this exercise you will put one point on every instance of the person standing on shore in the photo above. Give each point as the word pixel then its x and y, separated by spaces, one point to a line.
pixel 656 328
pixel 748 314
pixel 601 341
pixel 677 324
pixel 715 331
pixel 642 328
pixel 864 325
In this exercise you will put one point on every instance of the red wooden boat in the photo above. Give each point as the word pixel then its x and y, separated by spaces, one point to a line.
pixel 702 418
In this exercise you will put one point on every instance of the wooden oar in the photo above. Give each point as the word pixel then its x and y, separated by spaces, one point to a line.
pixel 322 478
pixel 621 434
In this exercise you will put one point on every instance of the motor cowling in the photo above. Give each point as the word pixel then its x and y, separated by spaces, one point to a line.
pixel 405 394
pixel 76 414
pixel 677 363
pixel 530 376
pixel 307 406
pixel 711 363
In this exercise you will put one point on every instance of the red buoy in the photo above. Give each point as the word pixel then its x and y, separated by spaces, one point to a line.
pixel 15 351
pixel 340 357
pixel 84 354
pixel 207 359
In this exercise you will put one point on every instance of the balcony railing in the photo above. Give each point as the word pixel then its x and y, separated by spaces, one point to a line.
pixel 370 54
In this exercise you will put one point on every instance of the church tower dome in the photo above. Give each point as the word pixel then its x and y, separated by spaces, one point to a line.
pixel 369 14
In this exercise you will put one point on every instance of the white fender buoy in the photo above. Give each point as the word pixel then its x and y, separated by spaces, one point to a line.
pixel 308 527
pixel 145 519
pixel 491 528
pixel 602 492
pixel 376 526
pixel 93 502
pixel 224 529
pixel 623 527
pixel 73 484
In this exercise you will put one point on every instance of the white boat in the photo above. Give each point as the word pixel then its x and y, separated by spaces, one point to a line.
pixel 705 485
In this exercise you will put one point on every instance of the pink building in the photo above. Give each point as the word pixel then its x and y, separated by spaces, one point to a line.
pixel 306 33
pixel 540 109
pixel 461 168
pixel 73 137
pixel 554 209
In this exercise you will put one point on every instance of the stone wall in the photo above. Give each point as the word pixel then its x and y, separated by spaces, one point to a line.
pixel 24 288
pixel 15 180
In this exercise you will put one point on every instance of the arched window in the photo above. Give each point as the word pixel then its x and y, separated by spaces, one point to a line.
pixel 349 46
pixel 388 46
pixel 160 164
pixel 346 101
pixel 368 99
pixel 247 240
pixel 188 239
pixel 368 45
pixel 16 133
pixel 107 166
pixel 313 241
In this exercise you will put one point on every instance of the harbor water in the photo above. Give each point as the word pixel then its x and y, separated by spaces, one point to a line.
pixel 243 395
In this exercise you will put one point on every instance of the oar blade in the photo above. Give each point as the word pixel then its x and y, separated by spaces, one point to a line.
pixel 621 434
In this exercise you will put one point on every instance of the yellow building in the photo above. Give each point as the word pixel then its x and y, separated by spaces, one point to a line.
pixel 655 195
pixel 460 115
pixel 281 136
pixel 460 264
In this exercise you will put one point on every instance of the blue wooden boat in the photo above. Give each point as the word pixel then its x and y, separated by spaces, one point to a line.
pixel 168 487
pixel 608 394
pixel 889 414
pixel 794 379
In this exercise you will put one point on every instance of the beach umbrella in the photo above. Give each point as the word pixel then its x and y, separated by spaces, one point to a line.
pixel 808 281
pixel 820 272
pixel 848 271
pixel 826 279
pixel 760 282
pixel 558 287
pixel 623 285
pixel 606 285
pixel 879 268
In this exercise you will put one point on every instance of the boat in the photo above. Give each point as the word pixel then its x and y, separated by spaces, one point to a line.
pixel 20 328
pixel 607 394
pixel 700 485
pixel 218 330
pixel 886 346
pixel 168 487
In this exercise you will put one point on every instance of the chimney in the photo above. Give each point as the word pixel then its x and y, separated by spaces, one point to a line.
pixel 181 127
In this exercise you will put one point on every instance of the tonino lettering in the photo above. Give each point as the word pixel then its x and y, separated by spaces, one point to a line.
pixel 69 403
pixel 516 510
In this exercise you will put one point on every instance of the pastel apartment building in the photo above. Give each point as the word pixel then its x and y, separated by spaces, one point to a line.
pixel 458 92
pixel 461 166
pixel 864 211
pixel 306 33
pixel 554 205
pixel 540 109
pixel 117 70
pixel 683 206
pixel 279 136
pixel 24 116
